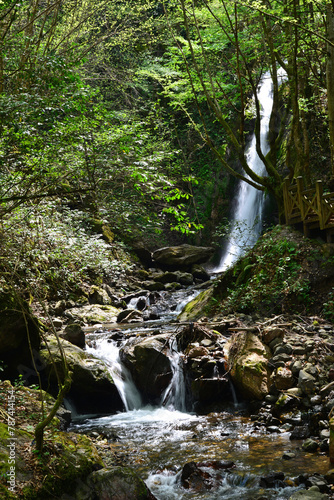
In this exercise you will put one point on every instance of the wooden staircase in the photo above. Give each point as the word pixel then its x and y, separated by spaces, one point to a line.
pixel 311 207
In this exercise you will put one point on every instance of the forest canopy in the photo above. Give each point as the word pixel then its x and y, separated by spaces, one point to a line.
pixel 135 116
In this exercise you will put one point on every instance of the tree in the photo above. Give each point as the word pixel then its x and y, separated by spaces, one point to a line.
pixel 252 39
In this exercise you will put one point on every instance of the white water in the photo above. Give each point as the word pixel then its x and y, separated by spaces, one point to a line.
pixel 246 223
pixel 158 441
pixel 109 353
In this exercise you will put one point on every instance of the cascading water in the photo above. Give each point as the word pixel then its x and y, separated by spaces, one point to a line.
pixel 109 353
pixel 246 223
pixel 175 395
pixel 158 441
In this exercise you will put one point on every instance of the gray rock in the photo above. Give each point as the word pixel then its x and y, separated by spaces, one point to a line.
pixel 99 296
pixel 148 361
pixel 153 286
pixel 129 316
pixel 74 333
pixel 296 367
pixel 117 483
pixel 283 349
pixel 182 256
pixel 57 323
pixel 306 382
pixel 308 495
pixel 92 389
pixel 310 445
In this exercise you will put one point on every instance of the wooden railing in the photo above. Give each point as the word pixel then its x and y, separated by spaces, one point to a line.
pixel 311 207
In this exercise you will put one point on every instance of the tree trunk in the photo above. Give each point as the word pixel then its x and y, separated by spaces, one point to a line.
pixel 330 78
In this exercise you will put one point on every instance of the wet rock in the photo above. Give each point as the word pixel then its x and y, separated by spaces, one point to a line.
pixel 192 333
pixel 117 483
pixel 274 480
pixel 57 323
pixel 92 389
pixel 318 481
pixel 300 432
pixel 93 313
pixel 149 363
pixel 329 476
pixel 288 455
pixel 153 286
pixel 310 445
pixel 183 256
pixel 186 279
pixel 197 351
pixel 167 277
pixel 74 333
pixel 195 476
pixel 308 495
pixel 248 358
pixel 209 390
pixel 283 349
pixel 129 316
pixel 200 273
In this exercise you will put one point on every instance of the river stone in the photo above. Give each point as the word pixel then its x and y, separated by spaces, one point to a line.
pixel 194 309
pixel 129 316
pixel 308 495
pixel 183 256
pixel 283 378
pixel 271 333
pixel 94 313
pixel 306 382
pixel 248 359
pixel 200 273
pixel 74 333
pixel 92 389
pixel 310 445
pixel 117 483
pixel 167 277
pixel 99 296
pixel 148 361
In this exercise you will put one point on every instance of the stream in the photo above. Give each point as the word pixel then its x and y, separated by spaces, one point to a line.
pixel 157 441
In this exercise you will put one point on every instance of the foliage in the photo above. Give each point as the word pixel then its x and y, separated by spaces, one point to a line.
pixel 271 278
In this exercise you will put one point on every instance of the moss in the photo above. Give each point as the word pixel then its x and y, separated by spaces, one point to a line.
pixel 197 307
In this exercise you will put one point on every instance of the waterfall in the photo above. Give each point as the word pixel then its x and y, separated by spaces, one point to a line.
pixel 246 223
pixel 175 394
pixel 109 352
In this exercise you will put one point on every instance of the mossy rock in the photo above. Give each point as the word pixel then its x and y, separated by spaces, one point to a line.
pixel 92 389
pixel 19 331
pixel 197 307
pixel 121 483
pixel 248 359
pixel 66 459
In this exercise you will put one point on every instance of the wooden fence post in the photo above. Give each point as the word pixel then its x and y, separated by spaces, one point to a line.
pixel 300 189
pixel 319 193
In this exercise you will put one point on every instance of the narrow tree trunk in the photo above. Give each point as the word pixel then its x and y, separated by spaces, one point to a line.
pixel 330 78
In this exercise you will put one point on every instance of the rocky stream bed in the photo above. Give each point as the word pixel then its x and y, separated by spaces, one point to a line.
pixel 168 407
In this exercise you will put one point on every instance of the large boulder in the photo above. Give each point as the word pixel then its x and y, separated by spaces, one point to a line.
pixel 19 333
pixel 182 257
pixel 93 313
pixel 248 359
pixel 117 483
pixel 92 390
pixel 149 364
